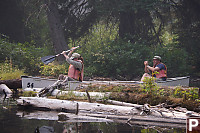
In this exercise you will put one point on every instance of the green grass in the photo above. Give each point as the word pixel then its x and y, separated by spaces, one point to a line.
pixel 11 75
pixel 8 71
pixel 29 94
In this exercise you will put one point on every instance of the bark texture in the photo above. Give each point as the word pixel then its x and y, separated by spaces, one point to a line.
pixel 57 33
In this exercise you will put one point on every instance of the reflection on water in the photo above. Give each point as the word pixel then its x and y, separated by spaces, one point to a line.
pixel 12 123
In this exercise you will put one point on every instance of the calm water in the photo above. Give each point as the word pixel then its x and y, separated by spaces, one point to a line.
pixel 10 122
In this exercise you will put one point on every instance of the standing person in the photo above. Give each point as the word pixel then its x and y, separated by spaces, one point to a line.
pixel 159 69
pixel 75 71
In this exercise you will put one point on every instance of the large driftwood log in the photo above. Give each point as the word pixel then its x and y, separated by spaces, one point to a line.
pixel 123 104
pixel 96 108
pixel 12 84
pixel 55 104
pixel 4 89
pixel 137 119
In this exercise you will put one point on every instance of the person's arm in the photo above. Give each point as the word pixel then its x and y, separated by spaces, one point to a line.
pixel 69 54
pixel 152 68
pixel 76 64
pixel 145 67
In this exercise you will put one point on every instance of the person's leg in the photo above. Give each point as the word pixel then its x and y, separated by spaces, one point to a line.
pixel 71 79
pixel 65 81
pixel 145 75
pixel 61 77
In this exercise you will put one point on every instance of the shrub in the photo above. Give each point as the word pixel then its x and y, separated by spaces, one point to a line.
pixel 119 59
pixel 8 71
pixel 54 70
pixel 26 56
pixel 150 87
pixel 12 75
pixel 176 60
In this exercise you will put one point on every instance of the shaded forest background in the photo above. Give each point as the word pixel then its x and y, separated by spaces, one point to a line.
pixel 116 35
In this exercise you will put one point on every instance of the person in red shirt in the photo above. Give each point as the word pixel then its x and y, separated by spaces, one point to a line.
pixel 158 70
pixel 75 71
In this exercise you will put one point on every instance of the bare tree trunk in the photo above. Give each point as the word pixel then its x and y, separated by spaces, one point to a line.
pixel 56 29
pixel 127 24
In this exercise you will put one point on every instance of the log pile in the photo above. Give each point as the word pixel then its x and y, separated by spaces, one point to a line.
pixel 122 111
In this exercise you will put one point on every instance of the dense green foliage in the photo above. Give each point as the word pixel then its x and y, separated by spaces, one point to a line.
pixel 25 56
pixel 53 70
pixel 8 71
pixel 107 55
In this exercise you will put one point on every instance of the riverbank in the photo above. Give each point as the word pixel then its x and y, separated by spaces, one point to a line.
pixel 186 97
pixel 147 93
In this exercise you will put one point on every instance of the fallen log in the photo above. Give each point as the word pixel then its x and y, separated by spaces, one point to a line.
pixel 13 83
pixel 97 108
pixel 131 118
pixel 57 92
pixel 4 89
pixel 60 105
pixel 123 104
pixel 157 110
